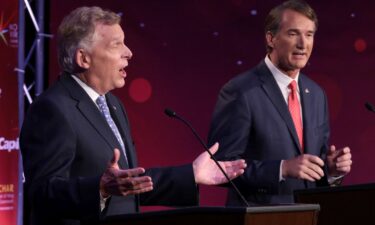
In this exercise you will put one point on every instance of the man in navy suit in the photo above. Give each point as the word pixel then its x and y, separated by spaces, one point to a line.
pixel 79 159
pixel 285 150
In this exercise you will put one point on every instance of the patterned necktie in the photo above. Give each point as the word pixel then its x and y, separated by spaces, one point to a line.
pixel 105 112
pixel 295 111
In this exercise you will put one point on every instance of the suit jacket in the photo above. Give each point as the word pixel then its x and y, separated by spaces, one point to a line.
pixel 252 121
pixel 66 145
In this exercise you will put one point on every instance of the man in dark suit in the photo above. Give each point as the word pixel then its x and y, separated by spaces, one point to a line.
pixel 277 118
pixel 79 159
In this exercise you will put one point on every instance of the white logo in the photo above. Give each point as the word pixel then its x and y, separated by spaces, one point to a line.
pixel 9 144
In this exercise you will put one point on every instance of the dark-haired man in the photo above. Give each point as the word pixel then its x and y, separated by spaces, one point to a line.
pixel 277 118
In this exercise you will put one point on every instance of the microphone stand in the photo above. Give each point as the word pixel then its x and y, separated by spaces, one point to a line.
pixel 173 114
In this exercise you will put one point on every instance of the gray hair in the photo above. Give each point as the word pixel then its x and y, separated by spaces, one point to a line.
pixel 76 31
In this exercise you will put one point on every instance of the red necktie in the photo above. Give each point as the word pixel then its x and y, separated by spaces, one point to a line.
pixel 295 111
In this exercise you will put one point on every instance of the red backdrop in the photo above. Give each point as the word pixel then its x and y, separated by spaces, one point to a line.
pixel 184 51
pixel 8 112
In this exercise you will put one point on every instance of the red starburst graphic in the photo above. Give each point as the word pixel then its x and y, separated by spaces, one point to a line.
pixel 4 25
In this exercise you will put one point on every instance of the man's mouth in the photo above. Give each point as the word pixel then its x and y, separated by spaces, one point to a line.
pixel 122 71
pixel 299 53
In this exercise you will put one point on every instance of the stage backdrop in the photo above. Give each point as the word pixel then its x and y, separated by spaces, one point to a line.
pixel 8 112
pixel 185 51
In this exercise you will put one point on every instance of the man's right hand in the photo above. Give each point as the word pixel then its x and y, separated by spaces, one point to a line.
pixel 116 181
pixel 307 167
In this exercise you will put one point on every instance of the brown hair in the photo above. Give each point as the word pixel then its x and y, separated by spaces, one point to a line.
pixel 273 20
pixel 76 31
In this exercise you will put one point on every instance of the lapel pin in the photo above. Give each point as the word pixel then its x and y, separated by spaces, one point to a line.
pixel 307 91
pixel 114 107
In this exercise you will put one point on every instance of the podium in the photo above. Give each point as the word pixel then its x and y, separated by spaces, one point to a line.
pixel 294 214
pixel 354 204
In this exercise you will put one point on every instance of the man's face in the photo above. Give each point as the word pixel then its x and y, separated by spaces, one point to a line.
pixel 107 58
pixel 293 43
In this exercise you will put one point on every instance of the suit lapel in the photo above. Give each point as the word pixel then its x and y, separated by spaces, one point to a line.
pixel 306 102
pixel 274 93
pixel 91 112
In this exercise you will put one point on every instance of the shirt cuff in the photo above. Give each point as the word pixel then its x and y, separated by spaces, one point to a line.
pixel 103 201
pixel 335 180
pixel 281 178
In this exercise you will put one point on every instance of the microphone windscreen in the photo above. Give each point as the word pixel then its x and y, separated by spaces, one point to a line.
pixel 370 107
pixel 170 112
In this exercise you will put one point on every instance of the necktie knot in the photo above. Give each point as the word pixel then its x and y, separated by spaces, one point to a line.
pixel 293 85
pixel 101 101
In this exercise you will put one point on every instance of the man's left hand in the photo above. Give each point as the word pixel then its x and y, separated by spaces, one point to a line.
pixel 207 172
pixel 339 161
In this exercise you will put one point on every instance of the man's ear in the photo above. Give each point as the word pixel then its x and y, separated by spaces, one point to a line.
pixel 270 39
pixel 82 59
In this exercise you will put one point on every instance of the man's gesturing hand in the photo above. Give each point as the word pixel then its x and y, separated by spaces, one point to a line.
pixel 207 172
pixel 116 181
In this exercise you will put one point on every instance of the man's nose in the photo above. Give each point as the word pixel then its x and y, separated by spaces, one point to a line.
pixel 301 43
pixel 127 53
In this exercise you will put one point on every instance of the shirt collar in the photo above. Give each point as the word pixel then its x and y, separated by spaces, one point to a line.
pixel 91 92
pixel 281 78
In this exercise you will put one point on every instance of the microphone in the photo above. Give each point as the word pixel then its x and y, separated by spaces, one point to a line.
pixel 370 107
pixel 173 114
